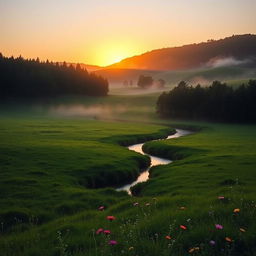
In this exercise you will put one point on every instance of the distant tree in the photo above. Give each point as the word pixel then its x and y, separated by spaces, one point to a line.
pixel 78 67
pixel 125 83
pixel 160 83
pixel 145 81
pixel 131 83
pixel 182 85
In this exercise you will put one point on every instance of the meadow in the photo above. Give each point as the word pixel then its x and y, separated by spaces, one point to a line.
pixel 59 168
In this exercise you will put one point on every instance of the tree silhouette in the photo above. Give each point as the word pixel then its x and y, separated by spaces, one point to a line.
pixel 22 78
pixel 217 102
pixel 145 81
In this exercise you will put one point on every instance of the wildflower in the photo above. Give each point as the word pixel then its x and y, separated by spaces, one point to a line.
pixel 212 242
pixel 112 242
pixel 182 208
pixel 237 210
pixel 221 197
pixel 228 239
pixel 191 250
pixel 242 230
pixel 183 227
pixel 168 237
pixel 147 204
pixel 111 218
pixel 100 230
pixel 135 204
pixel 107 232
pixel 194 249
pixel 218 226
pixel 131 248
pixel 101 208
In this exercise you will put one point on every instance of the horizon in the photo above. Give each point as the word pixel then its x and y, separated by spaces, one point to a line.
pixel 89 64
pixel 103 33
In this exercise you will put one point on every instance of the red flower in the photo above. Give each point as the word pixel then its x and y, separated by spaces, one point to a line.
pixel 107 232
pixel 111 218
pixel 183 227
pixel 168 237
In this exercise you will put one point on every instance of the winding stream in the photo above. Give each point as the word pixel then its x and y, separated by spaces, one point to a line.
pixel 144 176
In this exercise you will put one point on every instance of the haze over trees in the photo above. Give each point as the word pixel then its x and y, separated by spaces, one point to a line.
pixel 217 102
pixel 235 49
pixel 148 81
pixel 145 81
pixel 21 78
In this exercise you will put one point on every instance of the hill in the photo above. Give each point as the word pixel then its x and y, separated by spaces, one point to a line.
pixel 230 51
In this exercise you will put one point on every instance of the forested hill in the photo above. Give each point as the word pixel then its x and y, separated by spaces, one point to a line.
pixel 240 49
pixel 20 78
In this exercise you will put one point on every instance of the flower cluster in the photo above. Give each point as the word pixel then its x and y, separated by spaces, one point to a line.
pixel 172 236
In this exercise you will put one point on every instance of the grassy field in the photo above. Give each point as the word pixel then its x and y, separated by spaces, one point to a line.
pixel 57 165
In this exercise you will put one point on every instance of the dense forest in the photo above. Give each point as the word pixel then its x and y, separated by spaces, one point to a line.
pixel 21 78
pixel 239 48
pixel 217 102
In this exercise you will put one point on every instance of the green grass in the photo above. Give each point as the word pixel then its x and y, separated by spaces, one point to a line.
pixel 52 166
pixel 47 163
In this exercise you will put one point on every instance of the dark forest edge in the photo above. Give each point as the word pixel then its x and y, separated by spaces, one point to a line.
pixel 218 102
pixel 30 78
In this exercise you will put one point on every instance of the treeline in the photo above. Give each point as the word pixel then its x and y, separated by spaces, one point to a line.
pixel 217 102
pixel 21 78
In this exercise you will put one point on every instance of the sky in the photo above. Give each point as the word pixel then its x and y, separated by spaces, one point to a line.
pixel 103 32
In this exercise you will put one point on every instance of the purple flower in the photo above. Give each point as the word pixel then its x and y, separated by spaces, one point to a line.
pixel 212 242
pixel 112 242
pixel 218 226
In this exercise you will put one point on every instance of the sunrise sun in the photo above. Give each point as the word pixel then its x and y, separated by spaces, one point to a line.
pixel 112 52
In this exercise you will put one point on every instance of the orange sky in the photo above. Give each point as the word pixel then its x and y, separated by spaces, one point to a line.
pixel 102 32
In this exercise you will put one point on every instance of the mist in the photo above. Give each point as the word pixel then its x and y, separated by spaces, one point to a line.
pixel 225 62
pixel 93 112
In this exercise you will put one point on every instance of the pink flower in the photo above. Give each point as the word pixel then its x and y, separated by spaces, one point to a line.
pixel 107 232
pixel 100 230
pixel 221 197
pixel 218 226
pixel 212 242
pixel 112 242
pixel 101 208
pixel 111 218
pixel 135 204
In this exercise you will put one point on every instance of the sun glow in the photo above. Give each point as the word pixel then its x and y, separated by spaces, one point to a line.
pixel 110 53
